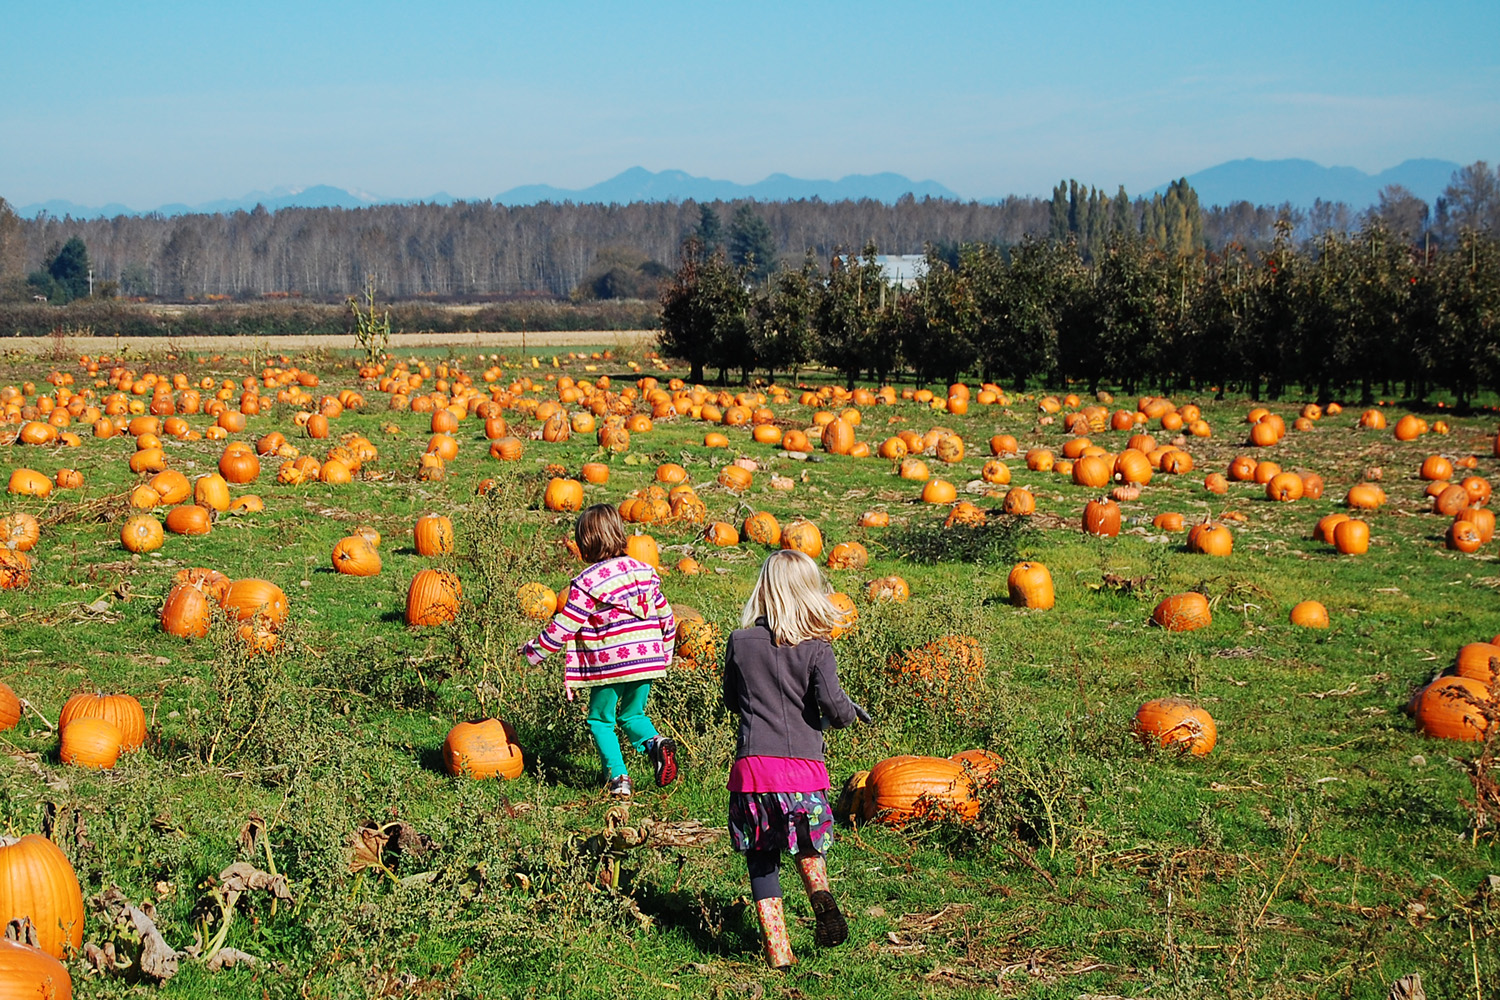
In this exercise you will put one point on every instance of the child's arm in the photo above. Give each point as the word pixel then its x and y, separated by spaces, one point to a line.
pixel 837 708
pixel 731 679
pixel 668 624
pixel 570 617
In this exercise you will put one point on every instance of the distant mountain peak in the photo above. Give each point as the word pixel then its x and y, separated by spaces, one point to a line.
pixel 1302 182
pixel 639 184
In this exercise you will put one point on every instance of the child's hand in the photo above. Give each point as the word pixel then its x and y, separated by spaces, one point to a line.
pixel 861 714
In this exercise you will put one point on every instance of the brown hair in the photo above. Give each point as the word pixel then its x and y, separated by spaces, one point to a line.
pixel 600 533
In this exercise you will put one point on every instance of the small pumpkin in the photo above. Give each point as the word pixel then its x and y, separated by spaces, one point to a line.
pixel 1183 612
pixel 1174 720
pixel 1351 537
pixel 537 601
pixel 1210 539
pixel 722 534
pixel 804 536
pixel 889 588
pixel 90 743
pixel 1019 502
pixel 355 556
pixel 848 555
pixel 189 519
pixel 1309 614
pixel 10 707
pixel 763 528
pixel 141 533
pixel 485 749
pixel 1030 586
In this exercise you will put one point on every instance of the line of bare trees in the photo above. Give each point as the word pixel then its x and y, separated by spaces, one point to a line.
pixel 477 250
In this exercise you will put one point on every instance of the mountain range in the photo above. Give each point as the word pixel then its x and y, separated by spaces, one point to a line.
pixel 1261 182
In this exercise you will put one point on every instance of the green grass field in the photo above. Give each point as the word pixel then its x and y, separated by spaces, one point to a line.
pixel 1324 848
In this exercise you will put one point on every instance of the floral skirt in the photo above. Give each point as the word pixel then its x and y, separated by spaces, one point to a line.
pixel 797 822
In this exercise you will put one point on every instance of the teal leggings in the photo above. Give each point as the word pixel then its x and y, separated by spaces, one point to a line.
pixel 623 705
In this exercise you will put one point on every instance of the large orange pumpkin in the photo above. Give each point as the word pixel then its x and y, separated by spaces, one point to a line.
pixel 433 535
pixel 37 881
pixel 432 598
pixel 1445 709
pixel 28 972
pixel 120 710
pixel 906 788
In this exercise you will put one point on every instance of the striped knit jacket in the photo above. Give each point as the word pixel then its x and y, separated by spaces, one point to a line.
pixel 613 626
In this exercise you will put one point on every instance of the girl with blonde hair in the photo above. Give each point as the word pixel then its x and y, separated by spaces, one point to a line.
pixel 781 679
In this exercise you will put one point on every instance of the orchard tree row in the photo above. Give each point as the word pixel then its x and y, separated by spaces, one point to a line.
pixel 1347 316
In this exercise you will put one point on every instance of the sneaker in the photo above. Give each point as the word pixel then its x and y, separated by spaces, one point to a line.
pixel 830 928
pixel 663 753
pixel 619 787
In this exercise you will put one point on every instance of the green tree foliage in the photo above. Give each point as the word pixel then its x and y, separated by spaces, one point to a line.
pixel 621 273
pixel 853 330
pixel 751 245
pixel 937 322
pixel 705 313
pixel 67 274
pixel 785 318
pixel 710 231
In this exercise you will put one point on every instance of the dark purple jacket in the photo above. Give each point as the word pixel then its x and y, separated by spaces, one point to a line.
pixel 782 694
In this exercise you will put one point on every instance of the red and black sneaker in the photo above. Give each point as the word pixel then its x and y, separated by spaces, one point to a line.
pixel 663 752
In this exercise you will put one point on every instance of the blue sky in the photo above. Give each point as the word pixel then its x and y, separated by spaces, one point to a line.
pixel 156 102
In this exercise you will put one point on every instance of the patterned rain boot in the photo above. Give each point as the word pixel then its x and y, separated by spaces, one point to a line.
pixel 830 928
pixel 773 926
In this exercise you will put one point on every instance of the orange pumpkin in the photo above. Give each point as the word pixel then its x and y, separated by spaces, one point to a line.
pixel 433 535
pixel 1102 517
pixel 763 528
pixel 185 612
pixel 355 556
pixel 120 710
pixel 1351 537
pixel 484 749
pixel 189 519
pixel 433 598
pixel 1173 720
pixel 889 588
pixel 37 881
pixel 1309 614
pixel 1183 612
pixel 1446 709
pixel 563 495
pixel 1210 539
pixel 255 598
pixel 141 533
pixel 1030 586
pixel 804 536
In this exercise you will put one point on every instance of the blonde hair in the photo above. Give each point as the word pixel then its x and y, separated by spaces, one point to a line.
pixel 600 533
pixel 792 596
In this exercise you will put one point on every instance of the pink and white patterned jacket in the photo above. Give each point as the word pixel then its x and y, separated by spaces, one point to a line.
pixel 613 626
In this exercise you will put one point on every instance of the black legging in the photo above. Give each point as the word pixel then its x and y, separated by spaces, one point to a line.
pixel 765 866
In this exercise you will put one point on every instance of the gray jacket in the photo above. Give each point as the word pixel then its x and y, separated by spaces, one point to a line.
pixel 783 694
